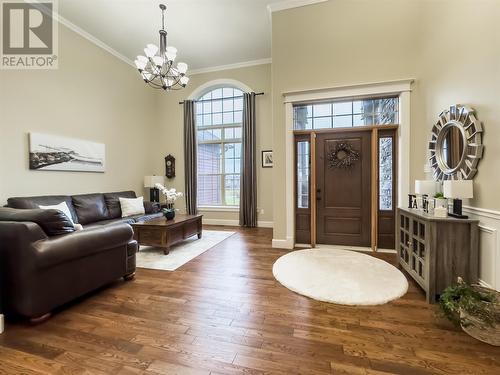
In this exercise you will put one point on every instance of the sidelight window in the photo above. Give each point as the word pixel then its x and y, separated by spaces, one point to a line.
pixel 385 157
pixel 303 174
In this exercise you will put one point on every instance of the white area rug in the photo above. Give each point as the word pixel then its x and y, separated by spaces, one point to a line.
pixel 152 257
pixel 340 276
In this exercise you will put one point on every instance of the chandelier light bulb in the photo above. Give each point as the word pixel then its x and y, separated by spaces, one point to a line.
pixel 140 64
pixel 147 76
pixel 158 61
pixel 184 80
pixel 182 67
pixel 153 48
pixel 142 58
pixel 171 53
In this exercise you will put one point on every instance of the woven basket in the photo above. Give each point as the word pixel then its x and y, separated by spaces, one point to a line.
pixel 477 329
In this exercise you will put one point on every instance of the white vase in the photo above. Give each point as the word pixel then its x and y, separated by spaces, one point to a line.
pixel 441 202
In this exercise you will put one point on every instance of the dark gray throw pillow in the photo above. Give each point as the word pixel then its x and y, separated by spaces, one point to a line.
pixel 53 222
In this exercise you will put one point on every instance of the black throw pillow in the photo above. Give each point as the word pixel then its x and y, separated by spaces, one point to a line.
pixel 53 222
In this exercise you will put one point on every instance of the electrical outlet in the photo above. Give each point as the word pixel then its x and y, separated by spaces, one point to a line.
pixel 262 211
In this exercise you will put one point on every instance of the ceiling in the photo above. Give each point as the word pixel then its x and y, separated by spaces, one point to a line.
pixel 207 33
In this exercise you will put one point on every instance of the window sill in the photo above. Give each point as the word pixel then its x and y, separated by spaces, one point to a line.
pixel 219 208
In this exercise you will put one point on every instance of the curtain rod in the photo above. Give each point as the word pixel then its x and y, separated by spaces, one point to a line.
pixel 258 93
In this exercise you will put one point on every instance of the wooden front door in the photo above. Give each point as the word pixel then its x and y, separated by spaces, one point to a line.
pixel 343 191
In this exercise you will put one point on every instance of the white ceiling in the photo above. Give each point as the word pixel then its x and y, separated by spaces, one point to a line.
pixel 207 33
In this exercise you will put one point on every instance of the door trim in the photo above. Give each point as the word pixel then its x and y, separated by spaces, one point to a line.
pixel 312 189
pixel 374 190
pixel 284 227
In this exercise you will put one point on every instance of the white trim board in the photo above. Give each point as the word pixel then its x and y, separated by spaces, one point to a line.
pixel 289 4
pixel 243 64
pixel 349 91
pixel 235 223
pixel 492 214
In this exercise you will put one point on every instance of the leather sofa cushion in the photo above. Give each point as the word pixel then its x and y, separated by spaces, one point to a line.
pixel 90 208
pixel 35 202
pixel 53 222
pixel 126 220
pixel 81 244
pixel 113 202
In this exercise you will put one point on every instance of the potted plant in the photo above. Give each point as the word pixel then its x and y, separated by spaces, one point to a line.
pixel 171 195
pixel 474 308
pixel 440 200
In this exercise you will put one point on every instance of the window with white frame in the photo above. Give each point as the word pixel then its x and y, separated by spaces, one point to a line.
pixel 346 113
pixel 219 115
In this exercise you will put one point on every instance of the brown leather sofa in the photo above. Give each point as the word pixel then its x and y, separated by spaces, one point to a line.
pixel 45 263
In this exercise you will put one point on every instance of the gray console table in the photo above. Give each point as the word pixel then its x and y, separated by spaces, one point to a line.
pixel 435 251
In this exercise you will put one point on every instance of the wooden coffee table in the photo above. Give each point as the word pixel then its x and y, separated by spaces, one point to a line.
pixel 165 233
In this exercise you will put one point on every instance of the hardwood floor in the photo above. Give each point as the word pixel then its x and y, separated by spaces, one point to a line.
pixel 223 313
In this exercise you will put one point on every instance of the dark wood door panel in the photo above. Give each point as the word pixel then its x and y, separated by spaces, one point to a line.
pixel 303 227
pixel 343 206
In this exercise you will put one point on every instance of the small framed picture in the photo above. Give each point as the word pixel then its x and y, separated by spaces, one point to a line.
pixel 267 159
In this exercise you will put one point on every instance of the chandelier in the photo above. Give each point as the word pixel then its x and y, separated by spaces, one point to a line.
pixel 158 70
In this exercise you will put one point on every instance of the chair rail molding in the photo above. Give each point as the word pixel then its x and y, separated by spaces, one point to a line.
pixel 401 87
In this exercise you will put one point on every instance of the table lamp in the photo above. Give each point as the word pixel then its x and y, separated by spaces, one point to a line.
pixel 425 187
pixel 150 182
pixel 458 190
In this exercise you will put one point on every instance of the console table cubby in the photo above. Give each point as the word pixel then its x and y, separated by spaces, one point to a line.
pixel 435 251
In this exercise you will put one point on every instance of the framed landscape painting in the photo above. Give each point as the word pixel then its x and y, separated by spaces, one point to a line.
pixel 56 153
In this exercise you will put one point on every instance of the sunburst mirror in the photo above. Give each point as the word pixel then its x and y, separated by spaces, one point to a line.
pixel 456 144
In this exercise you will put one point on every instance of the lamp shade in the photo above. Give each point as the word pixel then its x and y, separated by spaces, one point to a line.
pixel 151 181
pixel 425 187
pixel 458 189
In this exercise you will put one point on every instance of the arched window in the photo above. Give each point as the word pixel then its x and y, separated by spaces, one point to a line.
pixel 219 114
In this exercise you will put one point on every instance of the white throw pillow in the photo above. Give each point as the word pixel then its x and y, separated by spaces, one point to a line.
pixel 61 207
pixel 132 206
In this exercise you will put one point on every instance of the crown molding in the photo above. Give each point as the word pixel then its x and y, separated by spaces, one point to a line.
pixel 289 4
pixel 244 64
pixel 99 43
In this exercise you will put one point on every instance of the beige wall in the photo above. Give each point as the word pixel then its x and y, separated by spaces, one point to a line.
pixel 92 96
pixel 449 46
pixel 332 44
pixel 460 63
pixel 168 134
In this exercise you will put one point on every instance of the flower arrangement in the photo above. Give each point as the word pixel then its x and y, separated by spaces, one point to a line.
pixel 171 195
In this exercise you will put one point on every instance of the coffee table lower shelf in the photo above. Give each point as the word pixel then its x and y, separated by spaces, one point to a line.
pixel 165 233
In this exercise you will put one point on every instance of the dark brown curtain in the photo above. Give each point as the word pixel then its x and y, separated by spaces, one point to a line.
pixel 248 184
pixel 190 160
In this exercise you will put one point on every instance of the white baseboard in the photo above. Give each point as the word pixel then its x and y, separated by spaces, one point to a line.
pixel 1 323
pixel 484 284
pixel 265 224
pixel 283 243
pixel 235 223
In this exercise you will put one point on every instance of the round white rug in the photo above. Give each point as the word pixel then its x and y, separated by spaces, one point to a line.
pixel 340 276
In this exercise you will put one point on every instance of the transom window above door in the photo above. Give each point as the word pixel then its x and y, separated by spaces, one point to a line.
pixel 219 115
pixel 346 113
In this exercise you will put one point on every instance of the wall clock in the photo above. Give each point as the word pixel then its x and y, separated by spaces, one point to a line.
pixel 169 166
pixel 456 144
